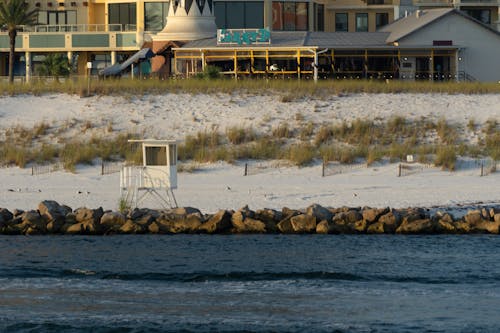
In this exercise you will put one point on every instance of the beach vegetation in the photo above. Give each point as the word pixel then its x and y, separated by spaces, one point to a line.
pixel 446 157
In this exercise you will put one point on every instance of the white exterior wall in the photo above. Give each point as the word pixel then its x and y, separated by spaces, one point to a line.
pixel 481 53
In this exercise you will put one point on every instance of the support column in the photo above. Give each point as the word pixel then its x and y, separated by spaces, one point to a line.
pixel 27 56
pixel 311 15
pixel 457 69
pixel 431 65
pixel 113 57
pixel 315 66
pixel 268 14
pixel 203 61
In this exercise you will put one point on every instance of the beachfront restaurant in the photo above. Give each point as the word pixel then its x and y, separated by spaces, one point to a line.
pixel 309 55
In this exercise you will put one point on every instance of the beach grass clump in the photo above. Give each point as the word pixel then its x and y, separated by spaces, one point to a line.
pixel 306 131
pixel 282 131
pixel 342 153
pixel 238 135
pixel 375 154
pixel 446 132
pixel 323 135
pixel 446 157
pixel 301 154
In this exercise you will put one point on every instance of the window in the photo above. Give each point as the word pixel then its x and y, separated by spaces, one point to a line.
pixel 319 18
pixel 236 14
pixel 381 19
pixel 290 16
pixel 122 13
pixel 341 22
pixel 483 15
pixel 155 15
pixel 362 22
pixel 156 155
pixel 239 14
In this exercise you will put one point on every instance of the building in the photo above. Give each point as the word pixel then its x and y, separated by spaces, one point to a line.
pixel 329 38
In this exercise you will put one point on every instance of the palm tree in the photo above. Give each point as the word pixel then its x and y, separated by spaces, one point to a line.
pixel 14 13
pixel 55 65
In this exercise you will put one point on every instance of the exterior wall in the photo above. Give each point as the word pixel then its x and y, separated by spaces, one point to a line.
pixel 481 47
pixel 352 7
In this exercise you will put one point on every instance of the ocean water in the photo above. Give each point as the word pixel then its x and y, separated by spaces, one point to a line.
pixel 250 283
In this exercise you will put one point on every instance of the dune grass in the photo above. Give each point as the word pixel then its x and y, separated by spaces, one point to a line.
pixel 300 88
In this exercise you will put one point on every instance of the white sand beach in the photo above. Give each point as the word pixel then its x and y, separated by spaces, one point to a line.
pixel 221 185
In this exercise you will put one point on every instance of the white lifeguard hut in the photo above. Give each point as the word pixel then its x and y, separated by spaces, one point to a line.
pixel 156 178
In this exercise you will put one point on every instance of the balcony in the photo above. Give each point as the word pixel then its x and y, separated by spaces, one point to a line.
pixel 435 3
pixel 379 2
pixel 74 37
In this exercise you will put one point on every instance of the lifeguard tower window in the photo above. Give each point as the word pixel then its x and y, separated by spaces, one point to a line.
pixel 156 155
pixel 172 149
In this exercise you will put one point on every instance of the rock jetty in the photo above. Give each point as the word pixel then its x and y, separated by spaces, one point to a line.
pixel 53 218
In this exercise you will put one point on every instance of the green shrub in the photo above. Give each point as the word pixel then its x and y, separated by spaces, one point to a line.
pixel 301 154
pixel 446 157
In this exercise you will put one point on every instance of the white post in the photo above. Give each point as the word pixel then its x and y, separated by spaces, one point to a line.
pixel 27 56
pixel 315 66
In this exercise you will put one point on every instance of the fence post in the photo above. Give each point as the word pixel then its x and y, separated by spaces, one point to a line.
pixel 399 170
pixel 32 170
pixel 102 167
pixel 323 169
pixel 482 166
pixel 246 169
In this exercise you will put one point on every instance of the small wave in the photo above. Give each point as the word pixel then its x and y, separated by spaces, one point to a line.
pixel 79 271
pixel 236 276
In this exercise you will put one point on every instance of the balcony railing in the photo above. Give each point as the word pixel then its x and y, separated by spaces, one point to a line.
pixel 379 2
pixel 78 28
pixel 456 3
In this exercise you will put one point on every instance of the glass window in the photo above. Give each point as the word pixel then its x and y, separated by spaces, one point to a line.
pixel 341 22
pixel 122 13
pixel 381 19
pixel 319 18
pixel 362 22
pixel 155 15
pixel 289 16
pixel 71 17
pixel 220 14
pixel 301 16
pixel 156 156
pixel 277 15
pixel 235 15
pixel 42 17
pixel 254 14
pixel 483 15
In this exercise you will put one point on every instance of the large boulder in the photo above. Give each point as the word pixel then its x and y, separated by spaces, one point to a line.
pixel 174 224
pixel 303 223
pixel 32 219
pixel 376 228
pixel 5 216
pixel 285 225
pixel 371 215
pixel 243 221
pixel 131 228
pixel 423 226
pixel 112 221
pixel 219 222
pixel 390 221
pixel 270 217
pixel 84 214
pixel 320 212
pixel 487 227
pixel 323 227
pixel 473 217
pixel 82 228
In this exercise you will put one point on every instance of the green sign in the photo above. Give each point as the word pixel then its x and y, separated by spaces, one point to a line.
pixel 244 36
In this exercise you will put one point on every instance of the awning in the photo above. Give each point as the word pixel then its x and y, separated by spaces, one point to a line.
pixel 116 69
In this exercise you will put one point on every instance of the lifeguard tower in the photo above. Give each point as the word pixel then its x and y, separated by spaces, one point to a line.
pixel 155 178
